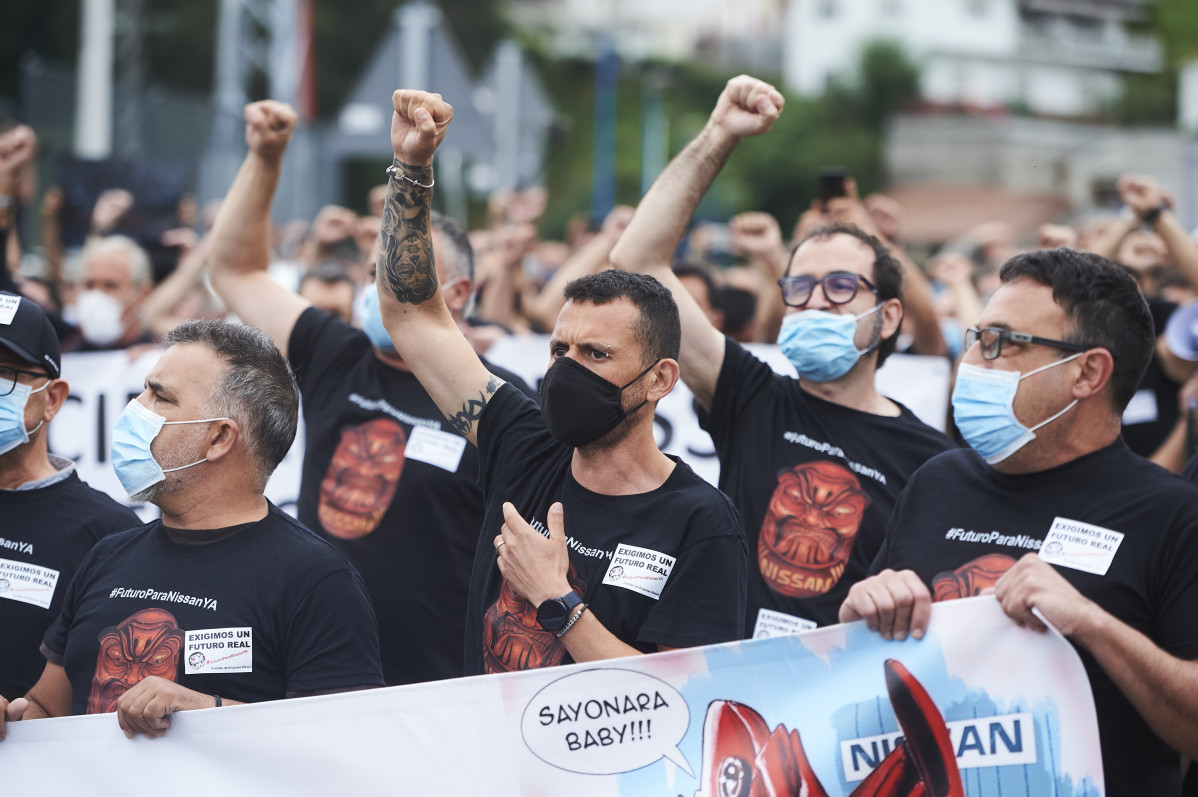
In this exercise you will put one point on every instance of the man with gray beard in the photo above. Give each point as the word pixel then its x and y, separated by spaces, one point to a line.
pixel 225 599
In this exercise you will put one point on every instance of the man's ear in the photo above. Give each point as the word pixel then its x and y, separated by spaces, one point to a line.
pixel 457 295
pixel 222 439
pixel 662 379
pixel 56 396
pixel 1095 367
pixel 892 318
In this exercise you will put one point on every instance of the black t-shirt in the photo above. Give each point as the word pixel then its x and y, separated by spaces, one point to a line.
pixel 270 611
pixel 961 524
pixel 1153 410
pixel 44 533
pixel 815 483
pixel 685 531
pixel 1190 471
pixel 393 488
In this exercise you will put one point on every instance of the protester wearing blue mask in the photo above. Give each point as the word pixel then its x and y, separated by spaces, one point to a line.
pixel 385 479
pixel 136 468
pixel 220 409
pixel 49 518
pixel 815 464
pixel 1053 512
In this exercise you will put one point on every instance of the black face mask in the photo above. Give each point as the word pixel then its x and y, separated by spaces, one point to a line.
pixel 578 405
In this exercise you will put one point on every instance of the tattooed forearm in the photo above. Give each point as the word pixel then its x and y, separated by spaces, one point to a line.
pixel 405 243
pixel 464 419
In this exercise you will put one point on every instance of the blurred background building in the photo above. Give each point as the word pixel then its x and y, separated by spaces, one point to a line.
pixel 961 109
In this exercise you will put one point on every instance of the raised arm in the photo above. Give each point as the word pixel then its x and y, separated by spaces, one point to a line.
pixel 917 292
pixel 1142 194
pixel 590 258
pixel 746 107
pixel 410 300
pixel 759 238
pixel 239 244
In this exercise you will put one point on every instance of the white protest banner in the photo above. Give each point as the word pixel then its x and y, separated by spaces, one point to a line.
pixel 997 710
pixel 921 383
pixel 102 383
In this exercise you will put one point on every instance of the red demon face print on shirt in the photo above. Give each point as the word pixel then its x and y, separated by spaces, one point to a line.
pixel 361 479
pixel 146 643
pixel 809 528
pixel 971 578
pixel 512 637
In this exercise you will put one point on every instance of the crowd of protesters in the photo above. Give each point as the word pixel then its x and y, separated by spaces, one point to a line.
pixel 438 489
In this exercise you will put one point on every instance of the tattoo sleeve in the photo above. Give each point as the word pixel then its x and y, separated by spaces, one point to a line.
pixel 464 419
pixel 405 238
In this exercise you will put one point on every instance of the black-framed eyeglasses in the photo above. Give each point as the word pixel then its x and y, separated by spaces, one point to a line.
pixel 8 378
pixel 993 338
pixel 840 287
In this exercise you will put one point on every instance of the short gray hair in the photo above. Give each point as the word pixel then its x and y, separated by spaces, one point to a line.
pixel 257 388
pixel 140 270
pixel 460 262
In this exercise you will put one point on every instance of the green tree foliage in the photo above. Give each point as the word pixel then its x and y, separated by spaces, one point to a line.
pixel 1152 99
pixel 776 173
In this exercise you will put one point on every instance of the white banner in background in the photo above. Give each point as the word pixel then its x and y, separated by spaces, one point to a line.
pixel 999 710
pixel 103 382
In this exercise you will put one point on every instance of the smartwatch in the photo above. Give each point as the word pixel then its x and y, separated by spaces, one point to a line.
pixel 553 613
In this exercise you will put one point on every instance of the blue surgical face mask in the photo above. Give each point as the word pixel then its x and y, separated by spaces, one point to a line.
pixel 984 410
pixel 372 318
pixel 135 466
pixel 820 345
pixel 12 417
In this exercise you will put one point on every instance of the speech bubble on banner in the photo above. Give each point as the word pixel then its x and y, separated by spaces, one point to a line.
pixel 604 721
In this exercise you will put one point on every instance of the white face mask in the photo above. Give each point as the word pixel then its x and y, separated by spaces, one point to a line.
pixel 99 317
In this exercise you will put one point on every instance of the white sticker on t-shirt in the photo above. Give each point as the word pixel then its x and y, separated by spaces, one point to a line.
pixel 1141 408
pixel 1082 546
pixel 442 449
pixel 21 581
pixel 639 569
pixel 213 650
pixel 771 623
pixel 8 308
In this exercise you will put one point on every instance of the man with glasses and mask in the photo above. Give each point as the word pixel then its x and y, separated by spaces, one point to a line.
pixel 814 465
pixel 385 479
pixel 1050 509
pixel 595 544
pixel 49 518
pixel 225 599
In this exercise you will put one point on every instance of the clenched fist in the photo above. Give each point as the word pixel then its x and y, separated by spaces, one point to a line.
pixel 747 107
pixel 268 127
pixel 418 125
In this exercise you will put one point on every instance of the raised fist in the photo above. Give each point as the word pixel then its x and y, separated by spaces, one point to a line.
pixel 333 224
pixel 418 125
pixel 1141 193
pixel 617 220
pixel 747 107
pixel 17 148
pixel 268 127
pixel 1053 236
pixel 111 205
pixel 756 235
